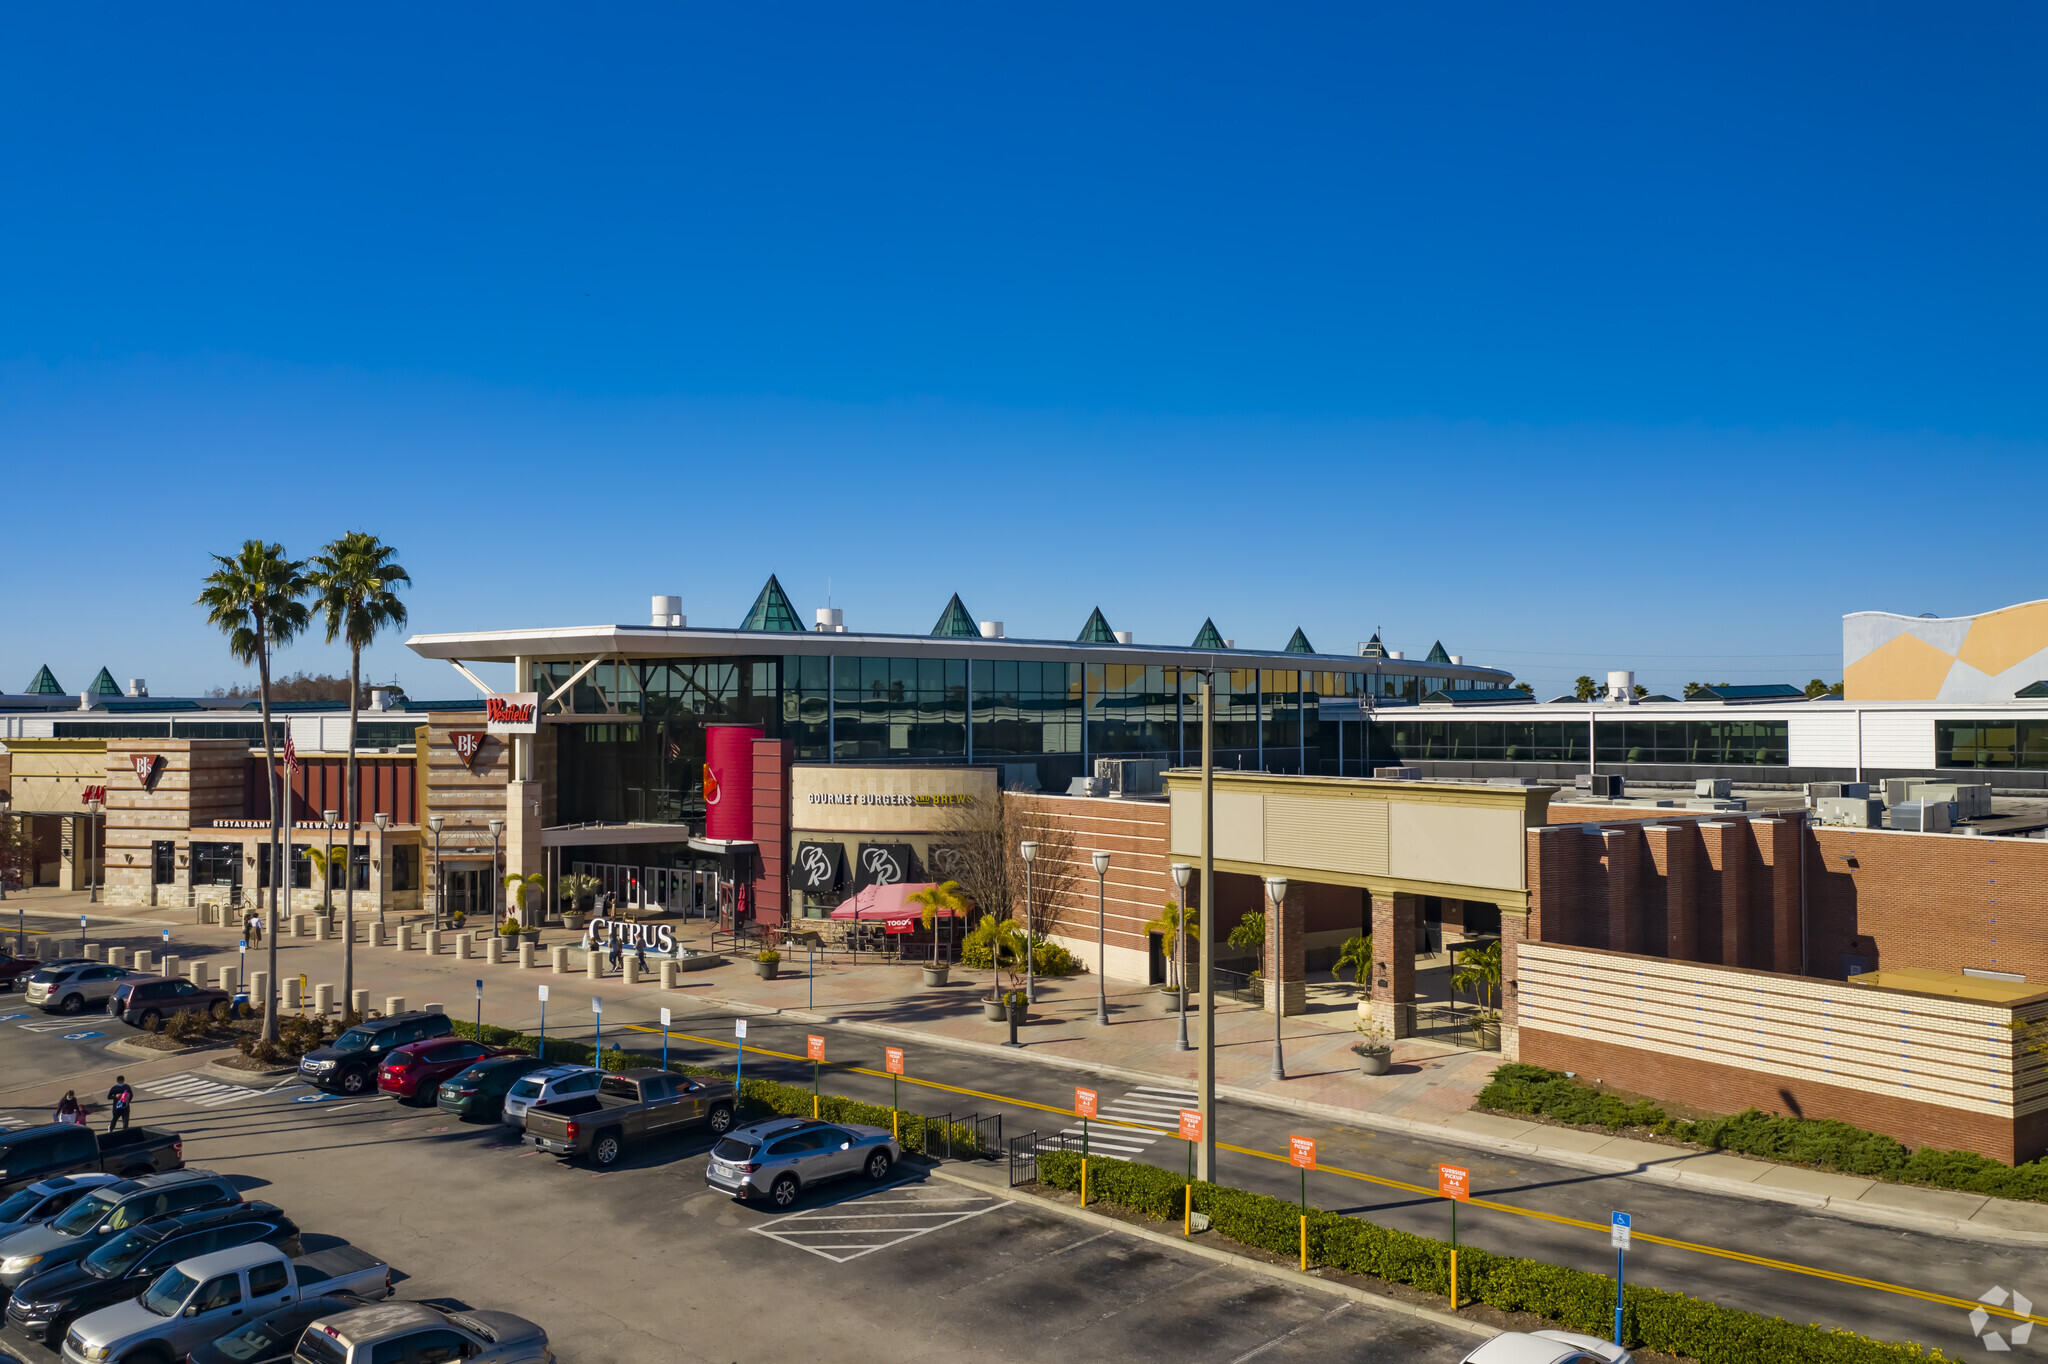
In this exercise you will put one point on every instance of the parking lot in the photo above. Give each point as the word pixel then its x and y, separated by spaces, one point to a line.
pixel 645 1263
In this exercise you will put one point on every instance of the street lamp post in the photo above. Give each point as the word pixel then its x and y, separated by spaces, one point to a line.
pixel 497 827
pixel 1029 852
pixel 1101 861
pixel 434 823
pixel 1276 895
pixel 327 817
pixel 1205 1167
pixel 92 871
pixel 6 843
pixel 383 821
pixel 1182 872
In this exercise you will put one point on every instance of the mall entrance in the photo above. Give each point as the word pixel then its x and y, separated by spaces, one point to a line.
pixel 685 892
pixel 465 889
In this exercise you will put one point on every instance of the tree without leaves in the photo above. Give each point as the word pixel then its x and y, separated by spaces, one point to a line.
pixel 254 599
pixel 981 853
pixel 352 583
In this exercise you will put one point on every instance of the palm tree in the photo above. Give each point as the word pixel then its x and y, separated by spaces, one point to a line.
pixel 1167 925
pixel 352 582
pixel 1356 954
pixel 521 884
pixel 943 898
pixel 1003 938
pixel 253 598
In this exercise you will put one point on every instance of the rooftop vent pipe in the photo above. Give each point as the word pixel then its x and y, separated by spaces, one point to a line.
pixel 1122 636
pixel 831 620
pixel 138 686
pixel 1621 686
pixel 668 612
pixel 991 629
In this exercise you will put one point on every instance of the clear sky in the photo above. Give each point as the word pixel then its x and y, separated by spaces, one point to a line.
pixel 1578 337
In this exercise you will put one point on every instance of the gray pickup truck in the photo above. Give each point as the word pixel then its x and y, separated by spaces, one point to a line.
pixel 627 1107
pixel 30 1155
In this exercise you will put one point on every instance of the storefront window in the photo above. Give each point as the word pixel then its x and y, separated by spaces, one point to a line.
pixel 1131 710
pixel 1023 708
pixel 1991 743
pixel 216 864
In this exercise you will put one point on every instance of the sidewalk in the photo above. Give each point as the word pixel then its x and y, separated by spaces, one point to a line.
pixel 1428 1095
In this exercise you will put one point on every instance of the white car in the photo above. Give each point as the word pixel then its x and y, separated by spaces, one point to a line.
pixel 1548 1347
pixel 546 1085
pixel 69 988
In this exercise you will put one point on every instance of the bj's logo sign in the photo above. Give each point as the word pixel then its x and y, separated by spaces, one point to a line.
pixel 468 743
pixel 512 713
pixel 147 768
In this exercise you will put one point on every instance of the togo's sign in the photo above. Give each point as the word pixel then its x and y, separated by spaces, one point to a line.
pixel 515 712
pixel 599 934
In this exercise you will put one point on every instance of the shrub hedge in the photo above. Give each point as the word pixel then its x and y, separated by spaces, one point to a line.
pixel 1825 1143
pixel 757 1097
pixel 1652 1318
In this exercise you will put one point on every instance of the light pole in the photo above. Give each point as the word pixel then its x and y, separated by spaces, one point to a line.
pixel 1276 896
pixel 434 823
pixel 1182 871
pixel 497 827
pixel 327 817
pixel 1205 1167
pixel 6 844
pixel 1029 852
pixel 1101 861
pixel 92 871
pixel 383 821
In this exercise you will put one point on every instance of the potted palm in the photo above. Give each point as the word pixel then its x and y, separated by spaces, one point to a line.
pixel 1479 971
pixel 767 962
pixel 1355 956
pixel 1001 938
pixel 521 885
pixel 574 890
pixel 1169 926
pixel 1375 1056
pixel 943 898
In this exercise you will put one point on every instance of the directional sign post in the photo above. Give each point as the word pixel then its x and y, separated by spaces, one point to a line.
pixel 739 1032
pixel 479 1013
pixel 597 1012
pixel 1455 1184
pixel 892 1061
pixel 1084 1108
pixel 1301 1153
pixel 814 1048
pixel 1190 1132
pixel 543 1023
pixel 664 1039
pixel 1617 1235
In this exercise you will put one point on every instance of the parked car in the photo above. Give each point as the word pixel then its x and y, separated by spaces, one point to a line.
pixel 15 971
pixel 271 1338
pixel 415 1070
pixel 31 1155
pixel 44 1199
pixel 195 1301
pixel 545 1086
pixel 1548 1347
pixel 629 1106
pixel 74 1233
pixel 44 1305
pixel 68 988
pixel 348 1064
pixel 419 1334
pixel 479 1092
pixel 779 1159
pixel 145 1001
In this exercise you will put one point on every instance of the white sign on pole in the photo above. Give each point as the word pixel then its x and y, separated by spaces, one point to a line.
pixel 479 989
pixel 597 1004
pixel 739 1027
pixel 1618 1231
pixel 664 1018
pixel 543 994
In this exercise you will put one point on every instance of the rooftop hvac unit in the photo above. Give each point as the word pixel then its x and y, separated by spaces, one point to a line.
pixel 1516 781
pixel 1899 790
pixel 1850 812
pixel 1393 774
pixel 991 629
pixel 667 611
pixel 1971 799
pixel 1017 776
pixel 1130 776
pixel 1737 803
pixel 1713 788
pixel 1846 790
pixel 1602 784
pixel 1087 786
pixel 1921 816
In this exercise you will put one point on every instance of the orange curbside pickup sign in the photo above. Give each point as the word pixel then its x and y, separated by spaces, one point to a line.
pixel 1301 1152
pixel 1084 1103
pixel 1190 1125
pixel 892 1059
pixel 814 1047
pixel 1453 1182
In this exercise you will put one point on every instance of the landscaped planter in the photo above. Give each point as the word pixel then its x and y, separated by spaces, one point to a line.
pixel 1374 1060
pixel 531 935
pixel 1169 1001
pixel 995 1011
pixel 936 975
pixel 573 920
pixel 766 969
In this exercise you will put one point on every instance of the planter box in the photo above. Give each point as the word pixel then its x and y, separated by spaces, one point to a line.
pixel 1169 1001
pixel 766 969
pixel 995 1011
pixel 1374 1061
pixel 935 975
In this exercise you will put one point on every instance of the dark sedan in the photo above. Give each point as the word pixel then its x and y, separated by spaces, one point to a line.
pixel 479 1093
pixel 416 1069
pixel 147 1001
pixel 271 1338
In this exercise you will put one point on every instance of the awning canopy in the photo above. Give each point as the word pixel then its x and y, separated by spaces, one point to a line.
pixel 889 902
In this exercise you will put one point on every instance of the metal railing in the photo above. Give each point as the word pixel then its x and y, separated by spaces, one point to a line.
pixel 1024 1159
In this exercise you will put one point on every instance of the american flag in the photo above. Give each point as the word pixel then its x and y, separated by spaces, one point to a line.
pixel 675 750
pixel 291 755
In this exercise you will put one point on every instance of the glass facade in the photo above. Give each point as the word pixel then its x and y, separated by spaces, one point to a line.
pixel 1702 743
pixel 1412 738
pixel 1024 708
pixel 1991 743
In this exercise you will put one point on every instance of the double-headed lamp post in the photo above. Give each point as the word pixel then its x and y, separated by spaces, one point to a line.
pixel 328 817
pixel 1029 852
pixel 497 827
pixel 1276 894
pixel 1183 872
pixel 382 820
pixel 434 823
pixel 1101 861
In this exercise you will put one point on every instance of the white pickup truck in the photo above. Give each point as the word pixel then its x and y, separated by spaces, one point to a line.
pixel 197 1300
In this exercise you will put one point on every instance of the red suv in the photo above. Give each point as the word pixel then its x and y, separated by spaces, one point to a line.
pixel 416 1070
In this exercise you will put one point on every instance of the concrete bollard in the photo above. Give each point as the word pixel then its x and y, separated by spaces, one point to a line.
pixel 405 937
pixel 558 960
pixel 323 927
pixel 526 950
pixel 632 971
pixel 201 914
pixel 292 998
pixel 394 1004
pixel 117 956
pixel 323 999
pixel 302 925
pixel 94 952
pixel 259 989
pixel 168 967
pixel 43 949
pixel 196 973
pixel 376 935
pixel 144 959
pixel 463 942
pixel 593 964
pixel 494 951
pixel 359 1003
pixel 433 936
pixel 668 974
pixel 433 1008
pixel 230 978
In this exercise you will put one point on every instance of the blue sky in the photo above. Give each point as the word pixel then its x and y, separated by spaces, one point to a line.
pixel 1583 338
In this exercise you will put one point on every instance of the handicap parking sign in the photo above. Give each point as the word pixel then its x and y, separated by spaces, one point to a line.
pixel 82 1036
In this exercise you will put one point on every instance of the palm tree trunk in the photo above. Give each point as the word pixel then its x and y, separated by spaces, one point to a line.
pixel 270 771
pixel 352 793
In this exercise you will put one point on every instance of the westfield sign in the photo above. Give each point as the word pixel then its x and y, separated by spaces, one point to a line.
pixel 512 712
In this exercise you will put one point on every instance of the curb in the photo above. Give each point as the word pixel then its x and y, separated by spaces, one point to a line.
pixel 1848 1209
pixel 122 1046
pixel 249 1079
pixel 1233 1259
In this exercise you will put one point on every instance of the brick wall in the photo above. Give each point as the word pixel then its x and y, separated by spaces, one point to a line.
pixel 1138 884
pixel 772 759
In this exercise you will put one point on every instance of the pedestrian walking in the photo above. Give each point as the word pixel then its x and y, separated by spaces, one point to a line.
pixel 67 1109
pixel 120 1096
pixel 640 955
pixel 255 930
pixel 618 953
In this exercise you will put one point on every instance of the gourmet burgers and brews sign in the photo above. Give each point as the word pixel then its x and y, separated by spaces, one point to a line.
pixel 848 798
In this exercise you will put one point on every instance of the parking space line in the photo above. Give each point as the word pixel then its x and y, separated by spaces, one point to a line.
pixel 817 1230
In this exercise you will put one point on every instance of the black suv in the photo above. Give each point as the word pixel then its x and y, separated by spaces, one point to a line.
pixel 44 1305
pixel 348 1065
pixel 141 1003
pixel 77 1231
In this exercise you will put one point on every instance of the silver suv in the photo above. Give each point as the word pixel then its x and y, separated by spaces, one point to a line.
pixel 69 988
pixel 546 1085
pixel 780 1159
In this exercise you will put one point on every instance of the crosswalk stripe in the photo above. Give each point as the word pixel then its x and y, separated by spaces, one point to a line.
pixel 1186 1094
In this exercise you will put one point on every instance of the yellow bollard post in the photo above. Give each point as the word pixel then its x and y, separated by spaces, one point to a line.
pixel 1454 1279
pixel 1084 1181
pixel 1304 1243
pixel 1187 1211
pixel 893 1123
pixel 814 1105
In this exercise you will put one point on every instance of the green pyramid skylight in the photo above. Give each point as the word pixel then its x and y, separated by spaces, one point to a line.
pixel 772 611
pixel 45 683
pixel 1097 630
pixel 956 622
pixel 1373 648
pixel 1299 644
pixel 105 685
pixel 1437 654
pixel 1208 637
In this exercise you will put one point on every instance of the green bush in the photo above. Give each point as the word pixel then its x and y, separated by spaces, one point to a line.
pixel 1821 1142
pixel 1651 1318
